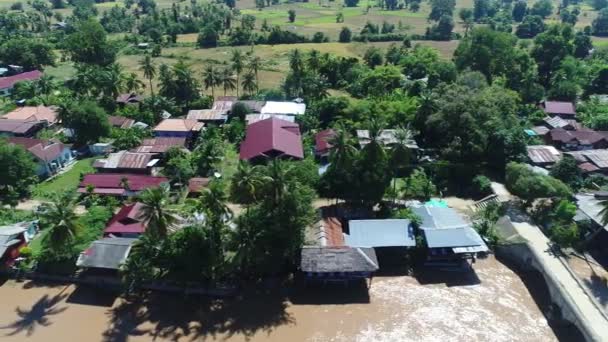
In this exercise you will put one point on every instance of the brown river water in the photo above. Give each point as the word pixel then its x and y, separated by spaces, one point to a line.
pixel 492 304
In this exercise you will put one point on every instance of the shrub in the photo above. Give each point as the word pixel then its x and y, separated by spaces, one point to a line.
pixel 482 186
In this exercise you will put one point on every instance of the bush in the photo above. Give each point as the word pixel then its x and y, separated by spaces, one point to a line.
pixel 345 35
pixel 482 186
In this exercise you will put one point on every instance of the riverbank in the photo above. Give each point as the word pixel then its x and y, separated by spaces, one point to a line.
pixel 490 304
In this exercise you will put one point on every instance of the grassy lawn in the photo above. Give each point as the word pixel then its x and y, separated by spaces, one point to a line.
pixel 65 182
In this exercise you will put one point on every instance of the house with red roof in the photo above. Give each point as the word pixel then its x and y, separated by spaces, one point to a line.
pixel 8 83
pixel 126 223
pixel 272 138
pixel 51 156
pixel 577 140
pixel 564 110
pixel 112 184
pixel 322 142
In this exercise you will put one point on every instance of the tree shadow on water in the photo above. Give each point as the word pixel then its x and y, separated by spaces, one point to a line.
pixel 37 315
pixel 172 317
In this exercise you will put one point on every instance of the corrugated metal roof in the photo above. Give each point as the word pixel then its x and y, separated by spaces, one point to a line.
pixel 286 108
pixel 178 125
pixel 106 253
pixel 332 259
pixel 439 217
pixel 556 122
pixel 253 118
pixel 599 157
pixel 591 206
pixel 387 137
pixel 557 107
pixel 9 82
pixel 453 237
pixel 380 233
pixel 207 115
pixel 124 160
pixel 543 154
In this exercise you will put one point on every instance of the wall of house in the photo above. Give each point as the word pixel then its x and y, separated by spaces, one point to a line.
pixel 161 134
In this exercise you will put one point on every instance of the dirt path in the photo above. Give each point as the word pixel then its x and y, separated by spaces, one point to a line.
pixel 491 304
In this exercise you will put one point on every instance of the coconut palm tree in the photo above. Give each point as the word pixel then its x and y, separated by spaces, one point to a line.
pixel 45 86
pixel 314 59
pixel 149 69
pixel 227 80
pixel 254 65
pixel 342 148
pixel 250 85
pixel 160 219
pixel 276 180
pixel 237 64
pixel 245 183
pixel 59 219
pixel 133 83
pixel 211 79
pixel 113 80
pixel 214 200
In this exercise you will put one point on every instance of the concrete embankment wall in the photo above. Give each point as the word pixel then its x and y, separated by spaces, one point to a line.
pixel 525 258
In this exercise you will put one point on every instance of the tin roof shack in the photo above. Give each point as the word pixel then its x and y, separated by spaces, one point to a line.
pixel 127 223
pixel 565 110
pixel 127 162
pixel 388 137
pixel 12 238
pixel 178 128
pixel 543 155
pixel 590 209
pixel 106 253
pixel 158 146
pixel 208 116
pixel 338 264
pixel 591 161
pixel 284 108
pixel 20 128
pixel 576 140
pixel 449 239
pixel 120 121
pixel 390 238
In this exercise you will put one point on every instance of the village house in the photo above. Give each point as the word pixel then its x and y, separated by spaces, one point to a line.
pixel 127 223
pixel 20 128
pixel 177 128
pixel 591 161
pixel 120 122
pixel 127 162
pixel 253 118
pixel 543 155
pixel 272 138
pixel 120 185
pixel 589 209
pixel 8 83
pixel 449 239
pixel 323 143
pixel 46 115
pixel 224 103
pixel 106 253
pixel 565 110
pixel 130 98
pixel 51 156
pixel 158 146
pixel 576 140
pixel 388 137
pixel 283 108
pixel 337 264
pixel 12 238
pixel 208 116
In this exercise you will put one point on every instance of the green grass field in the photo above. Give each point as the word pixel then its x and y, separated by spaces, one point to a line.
pixel 65 182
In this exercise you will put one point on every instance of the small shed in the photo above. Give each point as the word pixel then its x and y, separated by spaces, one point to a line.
pixel 338 263
pixel 107 253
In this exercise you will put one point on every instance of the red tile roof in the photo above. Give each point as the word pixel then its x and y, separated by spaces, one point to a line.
pixel 45 150
pixel 271 135
pixel 557 107
pixel 322 139
pixel 9 82
pixel 126 220
pixel 111 182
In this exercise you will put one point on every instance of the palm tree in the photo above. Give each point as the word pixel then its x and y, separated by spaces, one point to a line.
pixel 147 67
pixel 278 173
pixel 314 59
pixel 249 83
pixel 61 222
pixel 255 63
pixel 401 153
pixel 211 78
pixel 45 86
pixel 133 83
pixel 342 148
pixel 114 80
pixel 160 219
pixel 236 60
pixel 245 183
pixel 213 200
pixel 227 80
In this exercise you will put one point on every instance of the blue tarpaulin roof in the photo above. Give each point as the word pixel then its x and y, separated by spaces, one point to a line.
pixel 380 233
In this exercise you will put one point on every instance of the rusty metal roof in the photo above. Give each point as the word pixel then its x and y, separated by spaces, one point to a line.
pixel 124 160
pixel 543 154
pixel 207 115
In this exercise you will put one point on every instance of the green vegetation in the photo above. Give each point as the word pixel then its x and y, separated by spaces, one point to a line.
pixel 67 181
